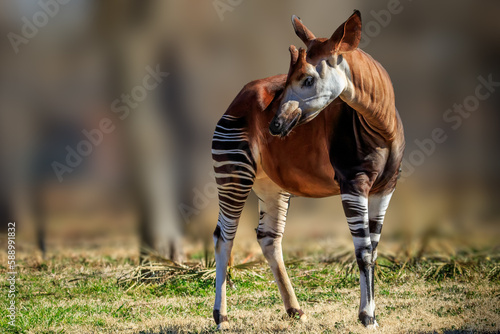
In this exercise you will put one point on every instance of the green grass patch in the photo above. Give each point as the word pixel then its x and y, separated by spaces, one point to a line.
pixel 91 293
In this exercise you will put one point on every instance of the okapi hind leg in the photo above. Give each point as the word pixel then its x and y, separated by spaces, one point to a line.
pixel 222 253
pixel 234 169
pixel 273 206
pixel 231 205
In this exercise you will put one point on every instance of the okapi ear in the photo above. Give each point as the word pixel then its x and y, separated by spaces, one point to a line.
pixel 347 37
pixel 301 30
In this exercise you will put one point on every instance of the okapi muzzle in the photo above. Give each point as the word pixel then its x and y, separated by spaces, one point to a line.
pixel 289 113
pixel 286 119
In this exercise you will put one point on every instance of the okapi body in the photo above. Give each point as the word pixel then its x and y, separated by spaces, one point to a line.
pixel 329 127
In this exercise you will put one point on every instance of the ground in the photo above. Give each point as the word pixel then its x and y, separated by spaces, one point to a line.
pixel 430 276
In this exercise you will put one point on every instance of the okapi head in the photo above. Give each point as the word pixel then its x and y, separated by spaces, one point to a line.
pixel 317 76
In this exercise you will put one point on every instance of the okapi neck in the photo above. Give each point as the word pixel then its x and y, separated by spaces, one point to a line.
pixel 371 94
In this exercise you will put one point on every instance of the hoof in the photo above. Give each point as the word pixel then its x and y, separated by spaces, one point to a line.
pixel 297 314
pixel 223 325
pixel 368 321
pixel 221 320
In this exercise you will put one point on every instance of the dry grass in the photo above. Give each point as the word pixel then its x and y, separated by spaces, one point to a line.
pixel 426 310
pixel 429 279
pixel 103 291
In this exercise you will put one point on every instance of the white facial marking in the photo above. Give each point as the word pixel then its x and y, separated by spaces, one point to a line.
pixel 317 89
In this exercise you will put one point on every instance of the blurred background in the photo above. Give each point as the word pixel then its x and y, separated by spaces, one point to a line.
pixel 100 149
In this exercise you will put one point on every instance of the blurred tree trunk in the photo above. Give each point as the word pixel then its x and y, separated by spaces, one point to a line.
pixel 135 43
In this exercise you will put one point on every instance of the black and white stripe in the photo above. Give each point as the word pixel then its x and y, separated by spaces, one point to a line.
pixel 365 217
pixel 356 211
pixel 377 206
pixel 234 168
pixel 273 208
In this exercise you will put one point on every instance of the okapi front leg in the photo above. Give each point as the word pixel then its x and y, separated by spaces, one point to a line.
pixel 356 211
pixel 377 206
pixel 273 206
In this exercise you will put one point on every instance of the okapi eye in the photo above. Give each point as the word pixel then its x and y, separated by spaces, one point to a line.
pixel 308 82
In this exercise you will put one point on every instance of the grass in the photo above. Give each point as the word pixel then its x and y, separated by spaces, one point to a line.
pixel 81 293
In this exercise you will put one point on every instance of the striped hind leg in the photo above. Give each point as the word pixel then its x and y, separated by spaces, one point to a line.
pixel 235 173
pixel 273 206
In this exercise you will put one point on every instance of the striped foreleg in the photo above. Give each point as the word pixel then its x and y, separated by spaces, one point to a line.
pixel 377 206
pixel 356 211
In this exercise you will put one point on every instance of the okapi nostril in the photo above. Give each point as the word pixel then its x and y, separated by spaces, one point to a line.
pixel 275 126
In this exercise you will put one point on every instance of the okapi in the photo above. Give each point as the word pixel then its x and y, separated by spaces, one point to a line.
pixel 329 127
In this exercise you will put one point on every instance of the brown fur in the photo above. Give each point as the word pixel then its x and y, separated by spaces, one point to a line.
pixel 357 143
pixel 309 161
